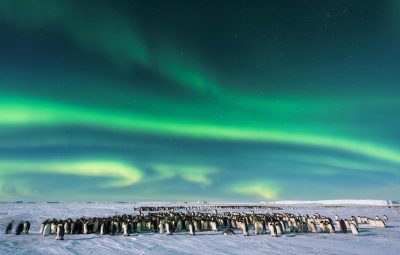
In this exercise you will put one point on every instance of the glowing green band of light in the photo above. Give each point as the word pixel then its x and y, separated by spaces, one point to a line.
pixel 17 111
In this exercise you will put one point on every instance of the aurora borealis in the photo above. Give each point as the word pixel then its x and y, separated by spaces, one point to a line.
pixel 199 100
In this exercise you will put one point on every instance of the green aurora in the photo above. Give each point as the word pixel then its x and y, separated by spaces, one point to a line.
pixel 199 100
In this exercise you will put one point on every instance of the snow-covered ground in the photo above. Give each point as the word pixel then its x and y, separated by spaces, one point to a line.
pixel 370 241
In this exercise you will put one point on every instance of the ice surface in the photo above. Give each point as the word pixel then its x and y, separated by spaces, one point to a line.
pixel 371 240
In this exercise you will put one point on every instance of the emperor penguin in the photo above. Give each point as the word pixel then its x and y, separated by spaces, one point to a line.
pixel 67 226
pixel 272 229
pixel 71 227
pixel 290 224
pixel 372 222
pixel 53 227
pixel 278 228
pixel 46 229
pixel 342 226
pixel 214 225
pixel 179 225
pixel 338 225
pixel 161 227
pixel 354 229
pixel 330 227
pixel 125 228
pixel 60 231
pixel 245 228
pixel 103 228
pixel 322 226
pixel 116 226
pixel 295 225
pixel 19 228
pixel 85 227
pixel 258 229
pixel 42 227
pixel 138 227
pixel 27 226
pixel 228 232
pixel 9 227
pixel 112 228
pixel 347 223
pixel 168 228
pixel 95 225
pixel 192 230
pixel 130 227
pixel 196 225
pixel 380 223
pixel 313 227
pixel 304 227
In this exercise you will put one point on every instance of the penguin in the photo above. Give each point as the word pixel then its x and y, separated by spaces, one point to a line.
pixel 27 226
pixel 19 228
pixel 112 228
pixel 95 225
pixel 42 227
pixel 78 227
pixel 330 227
pixel 125 228
pixel 343 226
pixel 228 232
pixel 129 227
pixel 9 227
pixel 103 228
pixel 272 229
pixel 53 228
pixel 138 227
pixel 322 226
pixel 71 227
pixel 204 224
pixel 67 226
pixel 313 227
pixel 338 225
pixel 257 227
pixel 245 228
pixel 354 229
pixel 290 224
pixel 46 229
pixel 196 225
pixel 179 225
pixel 192 230
pixel 385 218
pixel 161 227
pixel 168 229
pixel 278 228
pixel 304 227
pixel 214 225
pixel 60 231
pixel 295 227
pixel 380 223
pixel 372 222
pixel 85 227
pixel 347 223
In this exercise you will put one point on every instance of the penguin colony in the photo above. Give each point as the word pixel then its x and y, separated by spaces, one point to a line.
pixel 169 222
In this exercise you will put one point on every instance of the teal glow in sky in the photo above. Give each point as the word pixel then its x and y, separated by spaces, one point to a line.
pixel 199 100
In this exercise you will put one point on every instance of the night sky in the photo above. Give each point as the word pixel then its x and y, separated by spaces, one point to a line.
pixel 199 100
